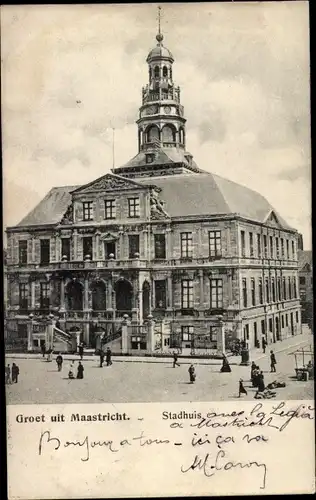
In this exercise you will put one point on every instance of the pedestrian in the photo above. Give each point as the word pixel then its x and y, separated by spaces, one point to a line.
pixel 264 345
pixel 256 373
pixel 192 374
pixel 15 373
pixel 108 357
pixel 80 350
pixel 8 374
pixel 242 389
pixel 252 370
pixel 101 358
pixel 43 349
pixel 71 370
pixel 272 361
pixel 261 386
pixel 226 366
pixel 59 361
pixel 175 360
pixel 80 370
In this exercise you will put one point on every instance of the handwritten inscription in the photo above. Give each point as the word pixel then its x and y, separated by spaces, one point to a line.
pixel 210 466
pixel 210 443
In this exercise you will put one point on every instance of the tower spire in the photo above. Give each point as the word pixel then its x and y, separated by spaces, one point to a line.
pixel 159 36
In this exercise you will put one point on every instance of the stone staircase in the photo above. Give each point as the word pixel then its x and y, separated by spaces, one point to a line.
pixel 63 341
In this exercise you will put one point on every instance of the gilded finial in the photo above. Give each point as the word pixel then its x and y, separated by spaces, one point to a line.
pixel 159 36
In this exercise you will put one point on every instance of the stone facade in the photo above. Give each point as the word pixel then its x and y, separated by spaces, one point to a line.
pixel 121 246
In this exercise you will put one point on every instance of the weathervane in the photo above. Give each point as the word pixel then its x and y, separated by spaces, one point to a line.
pixel 159 36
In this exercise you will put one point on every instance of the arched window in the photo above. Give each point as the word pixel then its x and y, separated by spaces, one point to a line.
pixel 153 133
pixel 170 73
pixel 150 73
pixel 168 134
pixel 165 71
pixel 156 72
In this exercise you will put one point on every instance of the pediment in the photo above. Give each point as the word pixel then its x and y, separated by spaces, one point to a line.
pixel 272 219
pixel 108 237
pixel 109 182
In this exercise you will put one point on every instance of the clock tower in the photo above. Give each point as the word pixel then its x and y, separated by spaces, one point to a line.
pixel 161 122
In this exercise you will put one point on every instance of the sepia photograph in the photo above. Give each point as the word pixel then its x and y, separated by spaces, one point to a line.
pixel 157 203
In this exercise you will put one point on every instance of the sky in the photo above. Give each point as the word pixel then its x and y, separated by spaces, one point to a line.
pixel 70 73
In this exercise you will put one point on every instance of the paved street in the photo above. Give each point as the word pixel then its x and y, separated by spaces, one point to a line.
pixel 40 382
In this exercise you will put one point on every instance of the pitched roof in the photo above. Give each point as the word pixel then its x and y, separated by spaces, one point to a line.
pixel 304 257
pixel 210 194
pixel 162 156
pixel 51 208
pixel 184 195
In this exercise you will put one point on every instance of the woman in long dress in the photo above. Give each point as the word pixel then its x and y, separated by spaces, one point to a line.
pixel 80 370
pixel 71 370
pixel 192 374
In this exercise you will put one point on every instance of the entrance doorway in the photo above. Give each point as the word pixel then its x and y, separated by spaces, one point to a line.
pixel 277 328
pixel 74 291
pixel 98 296
pixel 292 324
pixel 123 296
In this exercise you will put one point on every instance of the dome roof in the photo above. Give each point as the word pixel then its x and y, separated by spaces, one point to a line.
pixel 159 52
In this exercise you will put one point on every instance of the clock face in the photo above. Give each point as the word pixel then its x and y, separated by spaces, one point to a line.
pixel 151 110
pixel 167 110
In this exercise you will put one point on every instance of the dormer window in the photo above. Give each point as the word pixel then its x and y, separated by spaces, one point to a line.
pixel 149 158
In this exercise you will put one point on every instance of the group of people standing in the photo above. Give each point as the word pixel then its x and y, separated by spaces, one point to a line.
pixel 12 374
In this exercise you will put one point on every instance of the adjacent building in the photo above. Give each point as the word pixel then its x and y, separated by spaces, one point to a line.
pixel 157 237
pixel 305 271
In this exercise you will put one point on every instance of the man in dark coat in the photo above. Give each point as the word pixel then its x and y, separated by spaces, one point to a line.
pixel 80 370
pixel 225 367
pixel 80 350
pixel 264 345
pixel 15 373
pixel 175 359
pixel 101 358
pixel 43 349
pixel 272 361
pixel 192 374
pixel 108 357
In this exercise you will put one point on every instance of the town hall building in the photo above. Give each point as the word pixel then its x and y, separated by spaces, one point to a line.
pixel 157 240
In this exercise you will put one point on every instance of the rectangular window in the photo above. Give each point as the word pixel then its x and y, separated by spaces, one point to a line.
pixel 253 291
pixel 87 208
pixel 287 249
pixel 279 289
pixel 271 248
pixel 187 333
pixel 45 252
pixel 215 244
pixel 109 209
pixel 277 248
pixel 23 297
pixel 265 246
pixel 289 287
pixel 216 294
pixel 282 321
pixel 267 290
pixel 260 291
pixel 284 288
pixel 302 280
pixel 293 250
pixel 244 292
pixel 87 247
pixel 282 247
pixel 44 296
pixel 286 320
pixel 23 252
pixel 243 243
pixel 109 250
pixel 133 245
pixel 186 246
pixel 160 294
pixel 65 248
pixel 187 294
pixel 160 246
pixel 133 207
pixel 270 325
pixel 273 289
pixel 263 327
pixel 246 332
pixel 259 245
pixel 251 244
pixel 294 288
